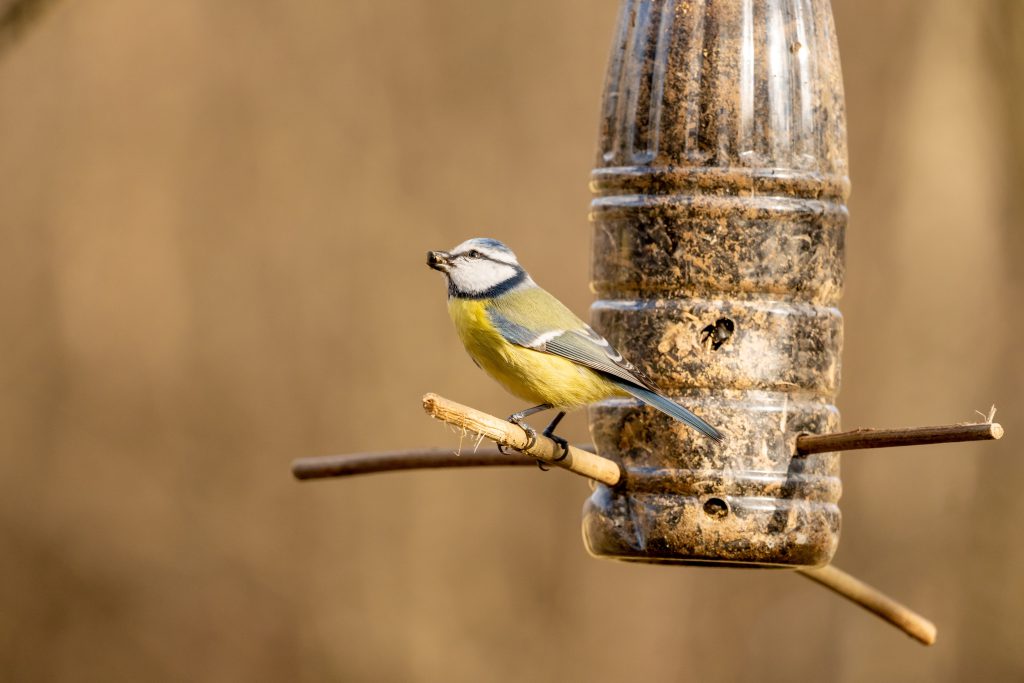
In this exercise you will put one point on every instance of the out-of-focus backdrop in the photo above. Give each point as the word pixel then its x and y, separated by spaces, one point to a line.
pixel 214 219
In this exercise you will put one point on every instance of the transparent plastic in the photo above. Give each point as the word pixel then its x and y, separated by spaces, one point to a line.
pixel 719 220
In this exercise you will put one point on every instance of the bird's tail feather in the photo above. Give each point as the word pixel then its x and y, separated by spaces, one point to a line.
pixel 670 408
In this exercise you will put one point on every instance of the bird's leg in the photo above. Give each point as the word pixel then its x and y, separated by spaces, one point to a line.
pixel 549 432
pixel 517 419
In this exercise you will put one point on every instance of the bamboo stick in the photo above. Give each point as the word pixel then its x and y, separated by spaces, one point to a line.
pixel 873 600
pixel 513 436
pixel 394 461
pixel 352 464
pixel 906 436
pixel 433 458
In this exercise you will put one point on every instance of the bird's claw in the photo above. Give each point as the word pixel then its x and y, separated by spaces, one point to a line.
pixel 531 434
pixel 563 444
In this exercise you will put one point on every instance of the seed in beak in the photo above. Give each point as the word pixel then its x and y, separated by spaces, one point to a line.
pixel 438 260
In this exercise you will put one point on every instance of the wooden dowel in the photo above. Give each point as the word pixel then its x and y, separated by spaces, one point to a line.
pixel 884 438
pixel 873 600
pixel 507 434
pixel 391 461
pixel 351 464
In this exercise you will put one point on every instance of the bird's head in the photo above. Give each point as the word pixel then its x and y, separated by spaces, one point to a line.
pixel 479 268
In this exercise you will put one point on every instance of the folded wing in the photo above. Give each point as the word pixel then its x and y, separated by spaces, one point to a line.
pixel 547 326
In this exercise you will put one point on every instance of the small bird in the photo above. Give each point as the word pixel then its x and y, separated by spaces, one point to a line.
pixel 533 345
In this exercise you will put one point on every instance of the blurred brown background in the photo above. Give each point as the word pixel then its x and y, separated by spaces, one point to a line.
pixel 214 224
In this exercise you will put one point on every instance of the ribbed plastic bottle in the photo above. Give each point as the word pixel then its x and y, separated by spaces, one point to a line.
pixel 719 219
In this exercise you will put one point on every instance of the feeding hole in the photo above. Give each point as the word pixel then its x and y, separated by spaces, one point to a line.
pixel 717 334
pixel 716 507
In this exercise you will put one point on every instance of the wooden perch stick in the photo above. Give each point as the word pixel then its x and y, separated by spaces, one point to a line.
pixel 856 591
pixel 434 458
pixel 390 461
pixel 507 434
pixel 907 436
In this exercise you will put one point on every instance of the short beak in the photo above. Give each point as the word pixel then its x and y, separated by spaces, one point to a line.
pixel 439 260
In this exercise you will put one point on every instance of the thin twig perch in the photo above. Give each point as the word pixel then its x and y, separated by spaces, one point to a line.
pixel 906 436
pixel 392 461
pixel 856 591
pixel 467 418
pixel 351 464
pixel 513 436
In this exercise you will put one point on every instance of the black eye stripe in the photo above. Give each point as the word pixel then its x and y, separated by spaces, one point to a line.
pixel 475 254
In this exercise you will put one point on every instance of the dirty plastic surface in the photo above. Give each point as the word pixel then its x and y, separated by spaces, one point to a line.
pixel 719 217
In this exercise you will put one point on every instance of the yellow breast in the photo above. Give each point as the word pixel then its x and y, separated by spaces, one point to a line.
pixel 531 375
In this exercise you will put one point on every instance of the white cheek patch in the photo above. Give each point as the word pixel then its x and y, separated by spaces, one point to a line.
pixel 479 275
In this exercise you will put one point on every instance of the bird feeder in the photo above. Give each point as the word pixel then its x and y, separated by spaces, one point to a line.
pixel 719 218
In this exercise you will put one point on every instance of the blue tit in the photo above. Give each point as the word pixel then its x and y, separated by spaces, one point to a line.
pixel 533 345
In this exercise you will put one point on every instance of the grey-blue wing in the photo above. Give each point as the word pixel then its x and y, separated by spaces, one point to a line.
pixel 582 345
pixel 535 329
